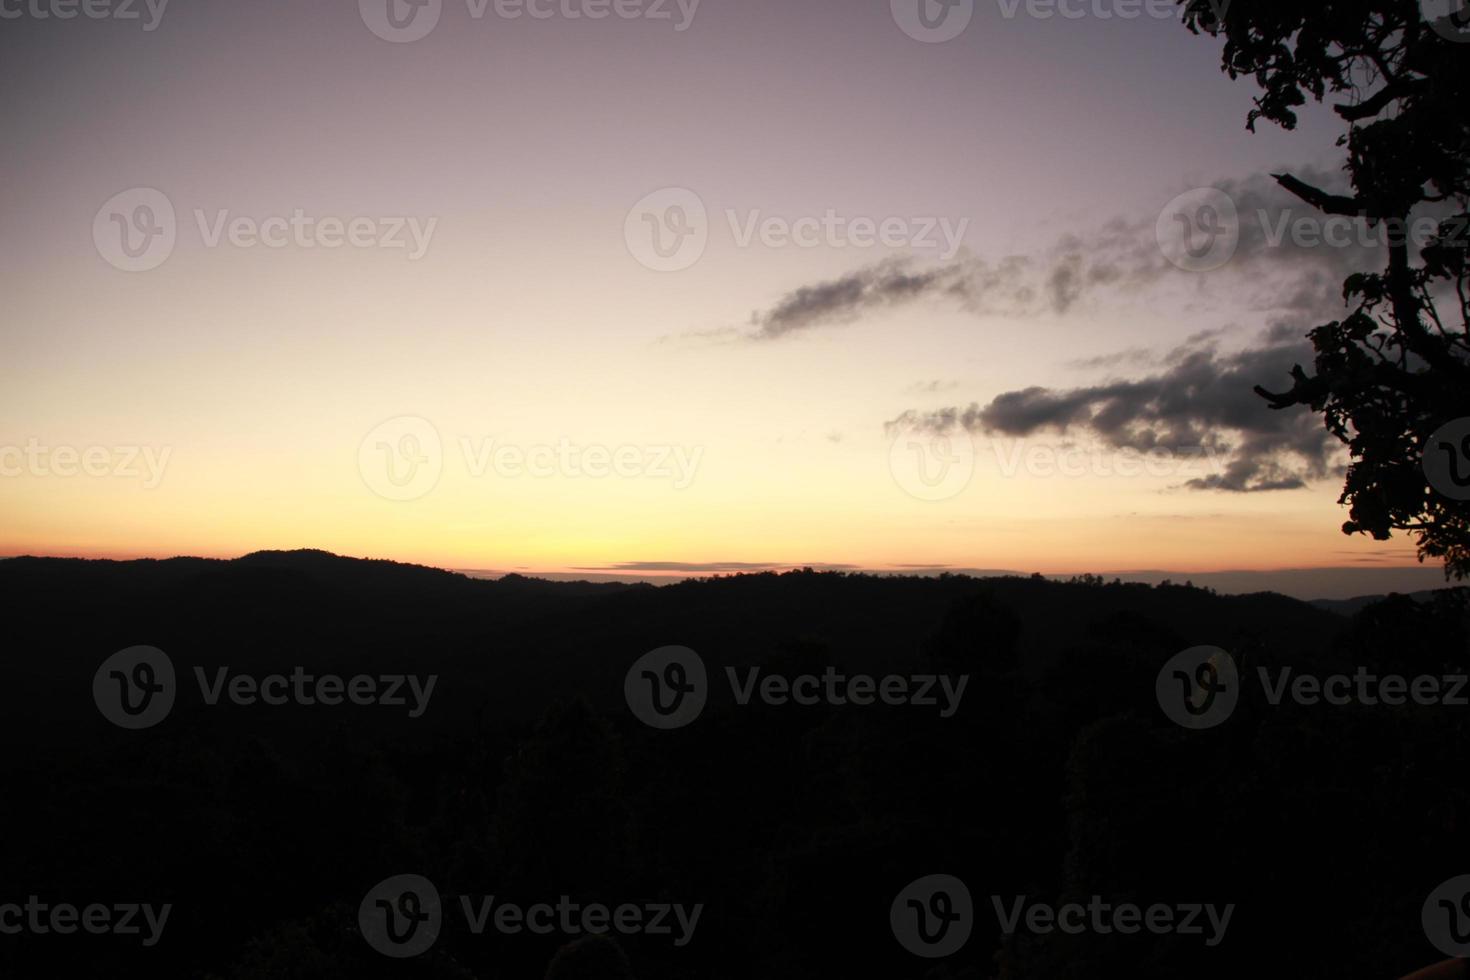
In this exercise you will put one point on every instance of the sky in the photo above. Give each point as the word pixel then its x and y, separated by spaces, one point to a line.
pixel 676 288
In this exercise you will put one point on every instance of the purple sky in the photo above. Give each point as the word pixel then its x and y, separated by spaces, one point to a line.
pixel 525 313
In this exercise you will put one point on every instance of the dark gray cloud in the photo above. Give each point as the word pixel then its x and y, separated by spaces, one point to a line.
pixel 843 300
pixel 1199 400
pixel 1281 265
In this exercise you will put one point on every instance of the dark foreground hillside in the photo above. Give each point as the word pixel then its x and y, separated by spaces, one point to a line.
pixel 1028 753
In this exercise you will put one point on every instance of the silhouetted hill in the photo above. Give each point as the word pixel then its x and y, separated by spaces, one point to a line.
pixel 528 773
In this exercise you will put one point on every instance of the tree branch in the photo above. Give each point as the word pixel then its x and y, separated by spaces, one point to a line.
pixel 1320 199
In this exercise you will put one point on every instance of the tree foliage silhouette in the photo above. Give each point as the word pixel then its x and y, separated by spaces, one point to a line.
pixel 1398 366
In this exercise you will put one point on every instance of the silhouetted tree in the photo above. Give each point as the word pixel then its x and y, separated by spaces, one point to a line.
pixel 1398 366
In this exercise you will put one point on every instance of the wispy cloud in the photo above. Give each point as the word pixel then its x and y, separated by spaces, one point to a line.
pixel 706 567
pixel 1273 270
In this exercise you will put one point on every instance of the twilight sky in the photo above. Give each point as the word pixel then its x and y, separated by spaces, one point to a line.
pixel 409 303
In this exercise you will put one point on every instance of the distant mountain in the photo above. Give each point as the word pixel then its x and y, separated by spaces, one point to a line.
pixel 1348 607
pixel 530 773
pixel 1299 583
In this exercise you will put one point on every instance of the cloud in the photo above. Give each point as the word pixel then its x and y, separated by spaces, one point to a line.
pixel 1275 269
pixel 704 567
pixel 843 300
pixel 1199 400
pixel 930 387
